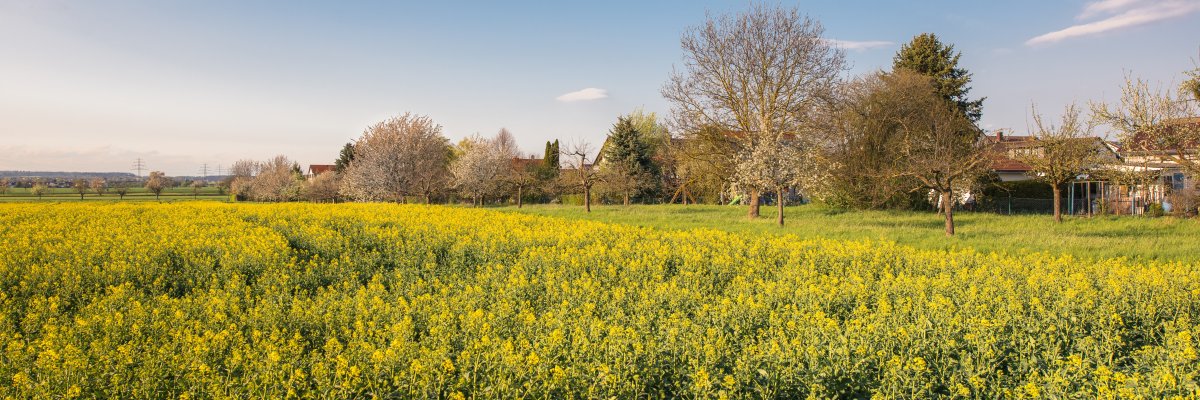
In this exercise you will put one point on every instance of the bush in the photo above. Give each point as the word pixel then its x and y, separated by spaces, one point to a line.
pixel 1183 202
pixel 1155 210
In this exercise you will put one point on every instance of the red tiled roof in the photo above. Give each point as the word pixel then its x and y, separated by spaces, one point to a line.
pixel 317 169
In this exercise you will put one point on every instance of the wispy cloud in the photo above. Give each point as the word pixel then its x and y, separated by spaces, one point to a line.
pixel 1103 6
pixel 583 95
pixel 860 45
pixel 1120 14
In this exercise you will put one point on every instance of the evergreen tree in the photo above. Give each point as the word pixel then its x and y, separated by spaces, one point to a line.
pixel 928 56
pixel 629 164
pixel 344 158
pixel 550 161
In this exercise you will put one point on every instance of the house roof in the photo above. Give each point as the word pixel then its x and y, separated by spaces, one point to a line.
pixel 317 169
pixel 1141 142
pixel 1003 161
pixel 519 162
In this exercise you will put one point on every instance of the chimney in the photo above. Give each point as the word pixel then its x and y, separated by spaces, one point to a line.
pixel 999 136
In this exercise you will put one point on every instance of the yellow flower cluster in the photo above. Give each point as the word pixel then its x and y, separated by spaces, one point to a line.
pixel 194 300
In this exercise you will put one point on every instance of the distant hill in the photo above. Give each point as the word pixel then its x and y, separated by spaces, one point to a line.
pixel 68 175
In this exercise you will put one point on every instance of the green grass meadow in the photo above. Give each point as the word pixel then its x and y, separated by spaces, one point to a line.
pixel 1135 238
pixel 134 194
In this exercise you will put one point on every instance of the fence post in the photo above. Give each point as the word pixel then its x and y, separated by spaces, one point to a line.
pixel 1071 204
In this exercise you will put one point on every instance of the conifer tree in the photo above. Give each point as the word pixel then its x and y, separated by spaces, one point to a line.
pixel 629 164
pixel 929 56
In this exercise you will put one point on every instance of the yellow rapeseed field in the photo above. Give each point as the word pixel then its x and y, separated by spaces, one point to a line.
pixel 194 300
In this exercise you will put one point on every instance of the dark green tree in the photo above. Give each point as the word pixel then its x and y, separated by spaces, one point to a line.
pixel 550 161
pixel 344 158
pixel 629 166
pixel 929 56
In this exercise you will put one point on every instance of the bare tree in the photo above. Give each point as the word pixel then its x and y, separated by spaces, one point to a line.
pixel 759 76
pixel 5 183
pixel 400 156
pixel 157 182
pixel 1059 153
pixel 1154 122
pixel 121 190
pixel 522 176
pixel 98 186
pixel 581 173
pixel 941 149
pixel 197 185
pixel 80 186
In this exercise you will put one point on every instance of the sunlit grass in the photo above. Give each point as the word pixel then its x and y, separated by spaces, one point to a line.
pixel 1142 238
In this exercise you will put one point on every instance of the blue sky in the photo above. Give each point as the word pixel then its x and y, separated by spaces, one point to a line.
pixel 93 85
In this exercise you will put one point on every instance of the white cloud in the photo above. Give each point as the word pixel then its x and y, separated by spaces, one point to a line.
pixel 1103 6
pixel 1122 14
pixel 583 95
pixel 860 45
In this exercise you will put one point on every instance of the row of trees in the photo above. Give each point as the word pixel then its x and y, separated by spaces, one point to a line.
pixel 761 108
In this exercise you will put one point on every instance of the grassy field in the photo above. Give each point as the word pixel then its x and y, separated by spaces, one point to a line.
pixel 1138 238
pixel 135 194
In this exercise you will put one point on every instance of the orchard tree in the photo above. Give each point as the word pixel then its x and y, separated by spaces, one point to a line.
pixel 1155 122
pixel 5 183
pixel 80 186
pixel 121 190
pixel 323 187
pixel 771 165
pixel 38 189
pixel 197 185
pixel 399 156
pixel 157 182
pixel 929 56
pixel 521 177
pixel 1059 153
pixel 241 178
pixel 483 165
pixel 760 76
pixel 277 180
pixel 940 148
pixel 98 186
pixel 581 173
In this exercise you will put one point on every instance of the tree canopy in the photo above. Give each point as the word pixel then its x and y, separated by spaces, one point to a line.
pixel 929 56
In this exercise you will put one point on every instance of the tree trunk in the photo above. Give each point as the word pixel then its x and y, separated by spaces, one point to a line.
pixel 1057 204
pixel 779 202
pixel 428 198
pixel 753 213
pixel 519 196
pixel 587 199
pixel 626 198
pixel 81 196
pixel 949 212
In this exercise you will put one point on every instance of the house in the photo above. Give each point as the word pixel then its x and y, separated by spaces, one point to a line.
pixel 317 169
pixel 1009 149
pixel 1169 157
